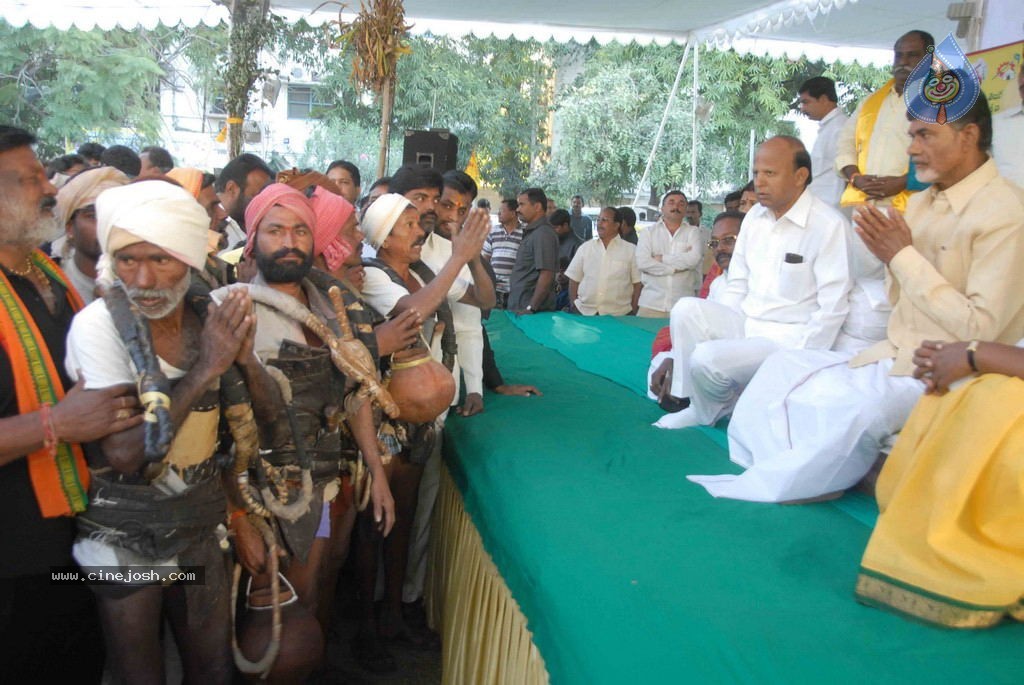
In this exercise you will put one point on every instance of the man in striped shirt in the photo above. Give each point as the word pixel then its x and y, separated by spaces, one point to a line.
pixel 502 245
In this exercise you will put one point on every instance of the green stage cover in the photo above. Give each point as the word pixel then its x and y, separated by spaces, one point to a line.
pixel 586 342
pixel 629 573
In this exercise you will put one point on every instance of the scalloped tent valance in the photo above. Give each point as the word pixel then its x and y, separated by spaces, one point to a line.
pixel 108 14
pixel 831 29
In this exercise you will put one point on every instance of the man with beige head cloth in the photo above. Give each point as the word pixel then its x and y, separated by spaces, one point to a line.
pixel 396 281
pixel 159 511
pixel 76 215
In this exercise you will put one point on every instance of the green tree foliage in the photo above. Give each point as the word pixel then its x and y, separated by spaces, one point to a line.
pixel 492 94
pixel 77 85
pixel 498 96
pixel 609 117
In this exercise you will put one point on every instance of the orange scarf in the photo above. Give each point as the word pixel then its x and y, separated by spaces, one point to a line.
pixel 60 480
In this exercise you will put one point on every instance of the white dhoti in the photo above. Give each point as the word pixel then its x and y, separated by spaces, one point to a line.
pixel 716 351
pixel 692 322
pixel 809 425
pixel 868 318
pixel 720 370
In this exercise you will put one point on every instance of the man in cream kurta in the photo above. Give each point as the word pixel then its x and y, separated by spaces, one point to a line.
pixel 603 275
pixel 788 283
pixel 872 147
pixel 669 255
pixel 813 423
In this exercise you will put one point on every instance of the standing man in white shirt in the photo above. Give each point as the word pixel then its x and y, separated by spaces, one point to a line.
pixel 603 276
pixel 669 256
pixel 817 100
pixel 1008 138
pixel 788 282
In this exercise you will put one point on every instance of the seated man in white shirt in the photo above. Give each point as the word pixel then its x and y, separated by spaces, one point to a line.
pixel 603 276
pixel 725 230
pixel 953 273
pixel 787 288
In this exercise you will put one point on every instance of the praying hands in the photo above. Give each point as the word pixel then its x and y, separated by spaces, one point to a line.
pixel 885 234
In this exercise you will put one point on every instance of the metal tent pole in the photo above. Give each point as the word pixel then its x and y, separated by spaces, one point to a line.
pixel 664 120
pixel 693 133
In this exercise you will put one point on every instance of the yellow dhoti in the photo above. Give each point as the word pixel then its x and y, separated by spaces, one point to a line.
pixel 948 548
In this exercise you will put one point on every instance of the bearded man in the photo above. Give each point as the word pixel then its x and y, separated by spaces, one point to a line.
pixel 43 419
pixel 281 226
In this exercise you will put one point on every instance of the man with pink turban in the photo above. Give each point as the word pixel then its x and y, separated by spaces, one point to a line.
pixel 283 233
pixel 335 236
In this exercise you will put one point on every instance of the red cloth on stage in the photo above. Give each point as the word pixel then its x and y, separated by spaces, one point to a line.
pixel 714 272
pixel 662 342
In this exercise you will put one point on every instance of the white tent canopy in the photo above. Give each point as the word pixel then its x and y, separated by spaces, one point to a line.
pixel 828 29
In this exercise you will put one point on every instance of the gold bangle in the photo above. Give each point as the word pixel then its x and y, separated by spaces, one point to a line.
pixel 397 366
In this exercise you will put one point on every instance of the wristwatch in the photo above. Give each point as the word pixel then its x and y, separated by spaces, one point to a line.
pixel 972 347
pixel 529 307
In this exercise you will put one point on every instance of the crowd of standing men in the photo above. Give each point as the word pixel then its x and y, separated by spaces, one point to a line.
pixel 197 364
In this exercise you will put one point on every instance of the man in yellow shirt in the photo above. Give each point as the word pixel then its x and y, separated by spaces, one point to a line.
pixel 872 148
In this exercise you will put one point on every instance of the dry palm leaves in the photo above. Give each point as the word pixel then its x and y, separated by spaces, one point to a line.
pixel 377 35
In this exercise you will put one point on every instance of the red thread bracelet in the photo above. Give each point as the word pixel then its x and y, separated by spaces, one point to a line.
pixel 50 439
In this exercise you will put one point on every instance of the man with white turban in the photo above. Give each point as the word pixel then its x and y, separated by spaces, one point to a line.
pixel 76 215
pixel 397 281
pixel 149 509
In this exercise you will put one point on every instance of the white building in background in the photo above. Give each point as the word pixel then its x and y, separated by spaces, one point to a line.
pixel 278 127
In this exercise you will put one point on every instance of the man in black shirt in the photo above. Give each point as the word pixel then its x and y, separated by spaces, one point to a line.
pixel 532 281
pixel 48 632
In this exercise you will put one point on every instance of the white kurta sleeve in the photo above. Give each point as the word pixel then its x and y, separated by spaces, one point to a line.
pixel 380 292
pixel 95 349
pixel 846 144
pixel 736 287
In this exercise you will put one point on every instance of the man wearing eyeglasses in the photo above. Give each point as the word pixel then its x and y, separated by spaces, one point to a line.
pixel 788 285
pixel 724 233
